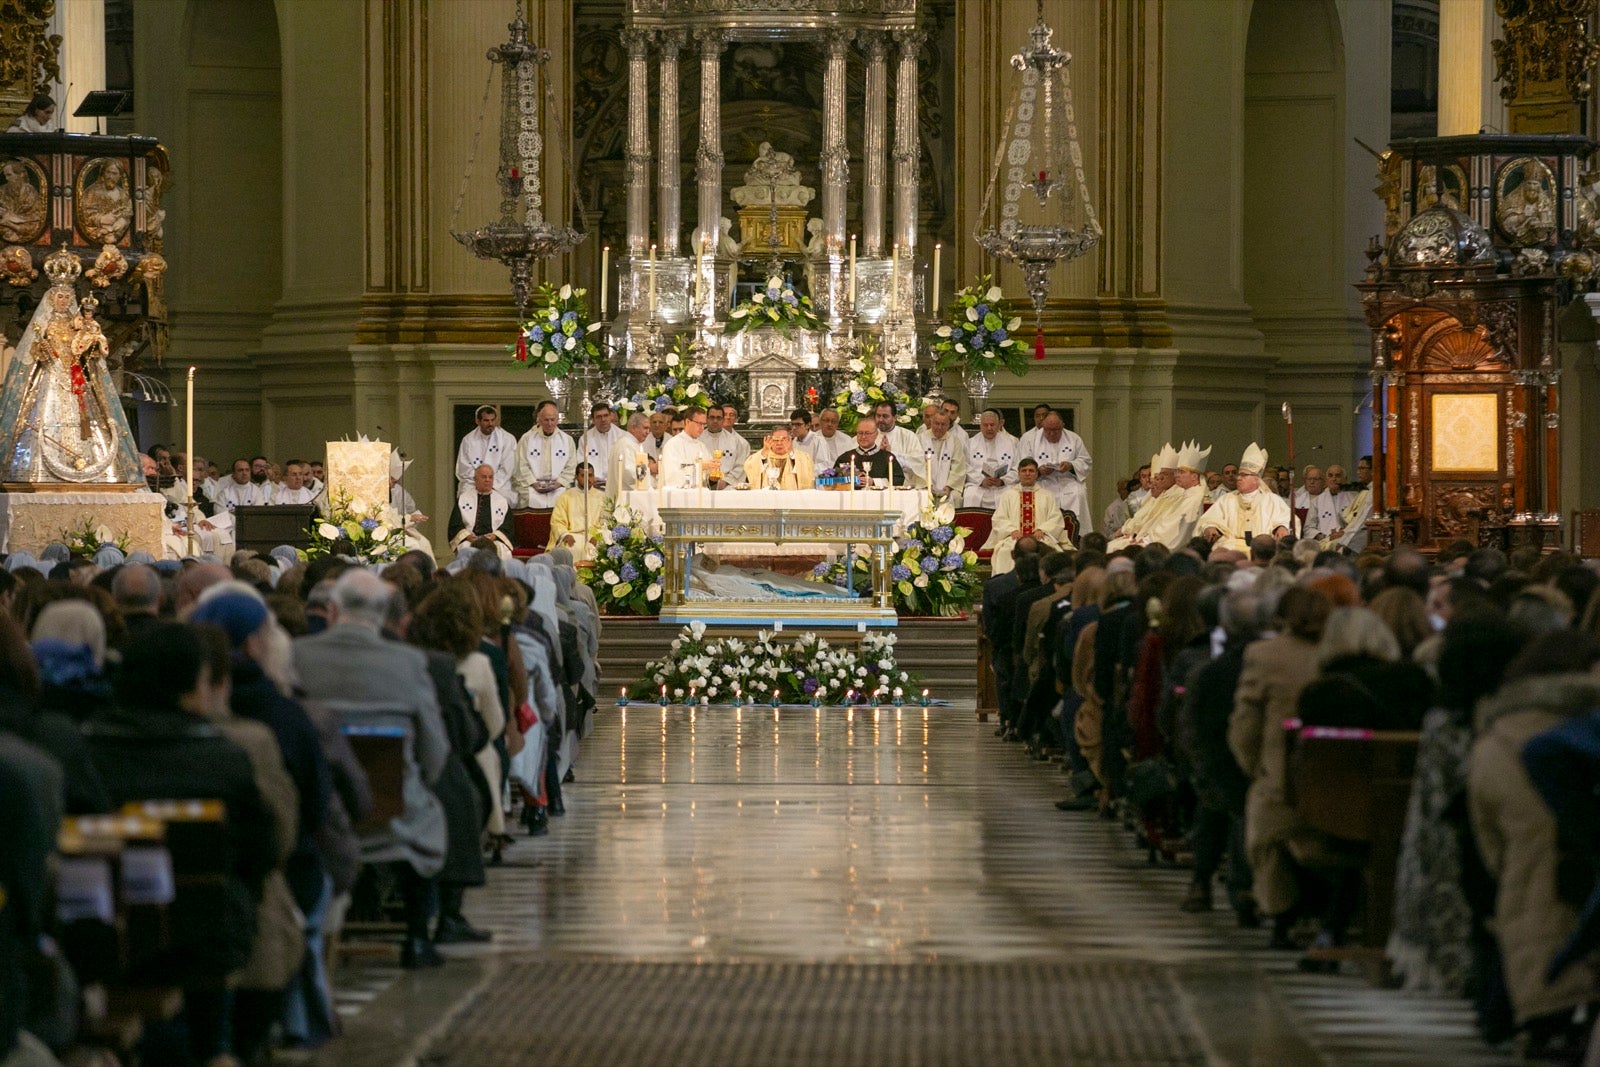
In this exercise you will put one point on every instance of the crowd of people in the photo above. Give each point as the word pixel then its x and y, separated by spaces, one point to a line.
pixel 126 680
pixel 1168 683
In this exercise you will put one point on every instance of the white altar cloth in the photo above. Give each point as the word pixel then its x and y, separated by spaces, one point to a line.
pixel 648 503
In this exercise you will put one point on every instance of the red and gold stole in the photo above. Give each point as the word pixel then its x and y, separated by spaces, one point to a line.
pixel 1027 513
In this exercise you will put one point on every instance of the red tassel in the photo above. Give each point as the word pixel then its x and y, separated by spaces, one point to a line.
pixel 1038 344
pixel 522 348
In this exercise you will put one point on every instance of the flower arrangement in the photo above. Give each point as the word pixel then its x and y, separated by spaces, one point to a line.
pixel 627 573
pixel 681 385
pixel 89 539
pixel 559 336
pixel 373 533
pixel 932 572
pixel 979 333
pixel 779 306
pixel 807 669
pixel 867 387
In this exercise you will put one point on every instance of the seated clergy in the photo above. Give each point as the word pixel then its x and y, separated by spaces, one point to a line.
pixel 1025 510
pixel 779 465
pixel 870 461
pixel 578 513
pixel 482 517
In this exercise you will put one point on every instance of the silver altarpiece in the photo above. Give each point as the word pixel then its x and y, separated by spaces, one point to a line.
pixel 772 223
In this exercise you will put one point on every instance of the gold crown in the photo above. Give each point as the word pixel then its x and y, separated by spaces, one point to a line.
pixel 62 266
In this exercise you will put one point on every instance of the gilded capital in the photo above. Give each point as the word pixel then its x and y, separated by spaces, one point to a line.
pixel 1545 63
pixel 28 55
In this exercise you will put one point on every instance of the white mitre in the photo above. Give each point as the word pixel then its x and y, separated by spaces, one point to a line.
pixel 1254 460
pixel 1166 459
pixel 1192 458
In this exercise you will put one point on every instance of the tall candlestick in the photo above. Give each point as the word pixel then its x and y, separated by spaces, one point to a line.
pixel 605 279
pixel 933 298
pixel 699 270
pixel 652 304
pixel 852 270
pixel 894 281
pixel 188 445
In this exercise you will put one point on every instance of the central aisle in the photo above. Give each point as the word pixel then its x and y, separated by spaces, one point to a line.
pixel 882 888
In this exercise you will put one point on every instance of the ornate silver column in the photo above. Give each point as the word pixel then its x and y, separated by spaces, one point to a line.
pixel 708 160
pixel 637 42
pixel 906 144
pixel 668 182
pixel 874 145
pixel 835 152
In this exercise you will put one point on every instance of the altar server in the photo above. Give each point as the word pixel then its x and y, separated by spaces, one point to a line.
pixel 779 465
pixel 1026 510
pixel 723 436
pixel 633 466
pixel 487 444
pixel 482 516
pixel 1064 465
pixel 600 439
pixel 944 455
pixel 991 463
pixel 684 456
pixel 579 512
pixel 805 440
pixel 903 444
pixel 1249 510
pixel 545 460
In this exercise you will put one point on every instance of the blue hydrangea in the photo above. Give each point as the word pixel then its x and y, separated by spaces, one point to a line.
pixel 900 572
pixel 791 299
pixel 942 534
pixel 615 552
pixel 999 335
pixel 772 294
pixel 809 686
pixel 662 403
pixel 620 533
pixel 628 572
pixel 952 563
pixel 536 335
pixel 571 316
pixel 858 397
pixel 369 524
pixel 930 564
pixel 672 380
pixel 983 309
pixel 820 570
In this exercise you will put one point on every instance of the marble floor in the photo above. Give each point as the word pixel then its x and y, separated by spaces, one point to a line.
pixel 797 858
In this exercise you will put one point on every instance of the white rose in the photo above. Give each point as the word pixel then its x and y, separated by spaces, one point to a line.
pixel 329 531
pixel 857 366
pixel 569 342
pixel 672 359
pixel 381 533
pixel 972 314
pixel 652 561
pixel 550 356
pixel 992 295
pixel 566 292
pixel 611 577
pixel 697 628
pixel 693 390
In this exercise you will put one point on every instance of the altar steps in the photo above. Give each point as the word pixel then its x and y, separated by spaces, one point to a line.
pixel 941 654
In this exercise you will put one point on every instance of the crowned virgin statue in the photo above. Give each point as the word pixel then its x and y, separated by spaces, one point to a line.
pixel 61 422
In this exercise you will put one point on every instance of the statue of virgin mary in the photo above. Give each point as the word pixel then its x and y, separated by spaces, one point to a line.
pixel 61 421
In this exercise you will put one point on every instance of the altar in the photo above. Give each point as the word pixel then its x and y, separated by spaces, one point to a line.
pixel 652 504
pixel 30 521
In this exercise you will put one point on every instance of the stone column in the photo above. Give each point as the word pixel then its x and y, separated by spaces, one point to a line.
pixel 669 208
pixel 637 42
pixel 873 148
pixel 835 152
pixel 906 143
pixel 708 160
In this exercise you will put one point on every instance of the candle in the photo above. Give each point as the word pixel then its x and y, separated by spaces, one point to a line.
pixel 622 701
pixel 652 304
pixel 777 626
pixel 894 281
pixel 933 298
pixel 699 270
pixel 899 696
pixel 924 698
pixel 605 279
pixel 774 698
pixel 188 475
pixel 663 698
pixel 852 271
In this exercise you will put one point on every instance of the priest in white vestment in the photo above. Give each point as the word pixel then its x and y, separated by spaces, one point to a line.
pixel 546 458
pixel 828 444
pixel 241 490
pixel 902 444
pixel 722 436
pixel 1025 510
pixel 1249 510
pixel 482 516
pixel 991 463
pixel 1064 465
pixel 1349 532
pixel 683 456
pixel 490 444
pixel 579 512
pixel 779 465
pixel 944 455
pixel 632 464
pixel 1182 500
pixel 601 438
pixel 294 489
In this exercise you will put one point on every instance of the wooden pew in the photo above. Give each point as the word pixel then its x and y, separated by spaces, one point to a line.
pixel 1354 785
pixel 988 696
pixel 381 749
